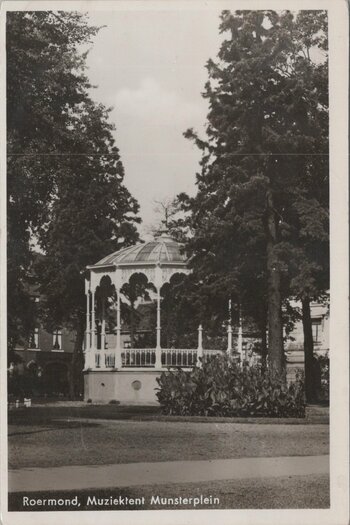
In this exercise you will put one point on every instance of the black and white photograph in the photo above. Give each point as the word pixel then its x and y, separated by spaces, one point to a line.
pixel 174 262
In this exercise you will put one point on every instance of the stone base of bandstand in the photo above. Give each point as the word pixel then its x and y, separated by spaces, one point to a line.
pixel 127 387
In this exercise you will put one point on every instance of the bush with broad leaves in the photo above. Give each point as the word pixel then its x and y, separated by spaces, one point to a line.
pixel 222 388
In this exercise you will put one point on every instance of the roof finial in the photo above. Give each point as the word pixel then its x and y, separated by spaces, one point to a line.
pixel 163 233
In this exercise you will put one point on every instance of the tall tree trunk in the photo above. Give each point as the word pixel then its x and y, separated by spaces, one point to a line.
pixel 262 325
pixel 77 362
pixel 275 325
pixel 263 345
pixel 308 351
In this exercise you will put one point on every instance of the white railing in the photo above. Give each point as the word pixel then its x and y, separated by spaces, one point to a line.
pixel 104 360
pixel 175 357
pixel 110 360
pixel 138 358
pixel 146 357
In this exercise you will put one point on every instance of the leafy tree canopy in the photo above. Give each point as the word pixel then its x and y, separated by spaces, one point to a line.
pixel 65 176
pixel 261 209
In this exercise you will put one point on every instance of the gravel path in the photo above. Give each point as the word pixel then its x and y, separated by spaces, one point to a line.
pixel 133 474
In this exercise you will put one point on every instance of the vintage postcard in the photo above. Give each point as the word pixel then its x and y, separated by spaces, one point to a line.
pixel 174 262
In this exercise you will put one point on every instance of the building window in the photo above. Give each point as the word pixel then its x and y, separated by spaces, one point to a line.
pixel 34 340
pixel 57 341
pixel 316 330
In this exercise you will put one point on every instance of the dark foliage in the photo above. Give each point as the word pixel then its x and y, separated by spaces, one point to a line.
pixel 221 388
pixel 259 221
pixel 324 370
pixel 46 82
pixel 65 176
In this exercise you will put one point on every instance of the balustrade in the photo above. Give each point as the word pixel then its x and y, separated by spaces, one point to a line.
pixel 174 357
pixel 110 360
pixel 138 357
pixel 146 358
pixel 104 360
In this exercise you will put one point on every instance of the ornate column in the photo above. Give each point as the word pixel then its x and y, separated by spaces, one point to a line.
pixel 87 333
pixel 158 328
pixel 118 350
pixel 93 330
pixel 103 334
pixel 200 345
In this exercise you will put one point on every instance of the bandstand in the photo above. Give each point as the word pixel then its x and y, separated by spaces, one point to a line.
pixel 128 375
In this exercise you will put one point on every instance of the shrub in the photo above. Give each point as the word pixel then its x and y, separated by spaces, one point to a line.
pixel 221 388
pixel 324 368
pixel 114 402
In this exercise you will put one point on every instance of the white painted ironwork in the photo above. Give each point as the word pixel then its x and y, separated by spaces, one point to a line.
pixel 104 360
pixel 200 346
pixel 146 358
pixel 138 358
pixel 182 358
pixel 87 331
pixel 103 324
pixel 158 329
pixel 109 360
pixel 158 272
pixel 93 324
pixel 117 358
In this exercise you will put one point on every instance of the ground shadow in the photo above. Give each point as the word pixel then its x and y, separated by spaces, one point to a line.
pixel 56 425
pixel 53 416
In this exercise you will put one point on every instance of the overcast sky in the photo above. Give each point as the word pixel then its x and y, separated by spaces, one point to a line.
pixel 150 66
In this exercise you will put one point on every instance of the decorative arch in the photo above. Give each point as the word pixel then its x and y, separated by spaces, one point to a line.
pixel 105 288
pixel 97 275
pixel 169 273
pixel 106 280
pixel 159 264
pixel 127 276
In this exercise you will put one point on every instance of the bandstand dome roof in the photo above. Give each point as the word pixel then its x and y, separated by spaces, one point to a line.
pixel 162 250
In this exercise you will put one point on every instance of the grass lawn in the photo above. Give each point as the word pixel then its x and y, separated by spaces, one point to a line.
pixel 95 435
pixel 302 492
